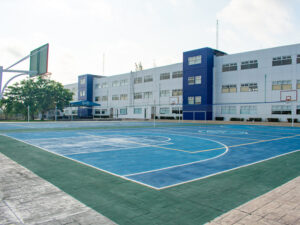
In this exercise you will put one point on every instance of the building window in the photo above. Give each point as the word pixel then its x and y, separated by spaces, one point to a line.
pixel 194 60
pixel 282 85
pixel 147 95
pixel 248 109
pixel 230 88
pixel 198 79
pixel 137 111
pixel 115 97
pixel 249 64
pixel 298 84
pixel 197 100
pixel 249 87
pixel 97 86
pixel 298 59
pixel 164 110
pixel 123 111
pixel 104 98
pixel 82 81
pixel 138 80
pixel 229 67
pixel 191 100
pixel 138 95
pixel 82 93
pixel 123 97
pixel 148 78
pixel 282 60
pixel 176 110
pixel 104 85
pixel 123 82
pixel 281 109
pixel 177 92
pixel 191 80
pixel 97 111
pixel 97 99
pixel 164 76
pixel 115 83
pixel 226 109
pixel 177 74
pixel 164 93
pixel 298 109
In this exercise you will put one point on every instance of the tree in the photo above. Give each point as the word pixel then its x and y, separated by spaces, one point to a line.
pixel 40 94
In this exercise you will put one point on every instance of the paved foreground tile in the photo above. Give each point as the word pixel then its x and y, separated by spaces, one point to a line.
pixel 280 206
pixel 26 198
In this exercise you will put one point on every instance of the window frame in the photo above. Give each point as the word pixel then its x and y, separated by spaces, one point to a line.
pixel 177 74
pixel 191 100
pixel 194 60
pixel 165 76
pixel 191 80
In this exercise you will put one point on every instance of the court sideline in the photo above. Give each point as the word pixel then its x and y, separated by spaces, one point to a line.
pixel 19 186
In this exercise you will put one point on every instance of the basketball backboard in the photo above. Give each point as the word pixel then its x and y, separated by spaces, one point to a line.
pixel 39 60
pixel 288 95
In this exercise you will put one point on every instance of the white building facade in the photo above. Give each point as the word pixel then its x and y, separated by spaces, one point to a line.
pixel 259 85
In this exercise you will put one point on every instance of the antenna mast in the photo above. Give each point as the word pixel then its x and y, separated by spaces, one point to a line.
pixel 217 35
pixel 103 64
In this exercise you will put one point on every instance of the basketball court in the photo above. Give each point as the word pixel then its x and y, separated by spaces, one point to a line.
pixel 159 157
pixel 132 171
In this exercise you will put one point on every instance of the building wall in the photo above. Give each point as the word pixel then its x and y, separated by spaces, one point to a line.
pixel 74 89
pixel 150 102
pixel 198 84
pixel 216 100
pixel 264 75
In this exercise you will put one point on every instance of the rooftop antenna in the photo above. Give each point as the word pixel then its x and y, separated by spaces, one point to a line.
pixel 217 35
pixel 103 57
pixel 154 63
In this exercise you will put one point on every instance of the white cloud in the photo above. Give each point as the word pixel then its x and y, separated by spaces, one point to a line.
pixel 263 21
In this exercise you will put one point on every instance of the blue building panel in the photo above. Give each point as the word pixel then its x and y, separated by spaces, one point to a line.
pixel 203 67
pixel 85 93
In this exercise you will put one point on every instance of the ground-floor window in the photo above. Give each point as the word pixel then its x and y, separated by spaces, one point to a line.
pixel 227 109
pixel 123 111
pixel 298 109
pixel 176 110
pixel 248 109
pixel 281 109
pixel 164 110
pixel 137 111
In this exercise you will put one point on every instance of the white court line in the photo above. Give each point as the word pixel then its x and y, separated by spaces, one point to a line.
pixel 102 138
pixel 102 170
pixel 141 183
pixel 185 182
pixel 127 136
pixel 180 165
pixel 208 134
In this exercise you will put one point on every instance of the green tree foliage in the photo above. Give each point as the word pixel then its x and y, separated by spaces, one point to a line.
pixel 40 94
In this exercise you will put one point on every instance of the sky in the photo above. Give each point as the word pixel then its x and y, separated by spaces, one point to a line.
pixel 110 36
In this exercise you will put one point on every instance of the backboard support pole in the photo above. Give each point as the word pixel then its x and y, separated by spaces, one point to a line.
pixel 1 74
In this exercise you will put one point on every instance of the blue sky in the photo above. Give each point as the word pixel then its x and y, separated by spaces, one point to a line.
pixel 155 32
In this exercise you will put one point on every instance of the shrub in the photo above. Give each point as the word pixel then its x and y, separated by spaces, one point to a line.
pixel 290 120
pixel 236 119
pixel 219 118
pixel 272 119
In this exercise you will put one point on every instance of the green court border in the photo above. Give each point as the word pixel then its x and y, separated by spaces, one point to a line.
pixel 126 202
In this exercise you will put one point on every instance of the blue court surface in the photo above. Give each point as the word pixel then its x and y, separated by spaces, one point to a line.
pixel 161 157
